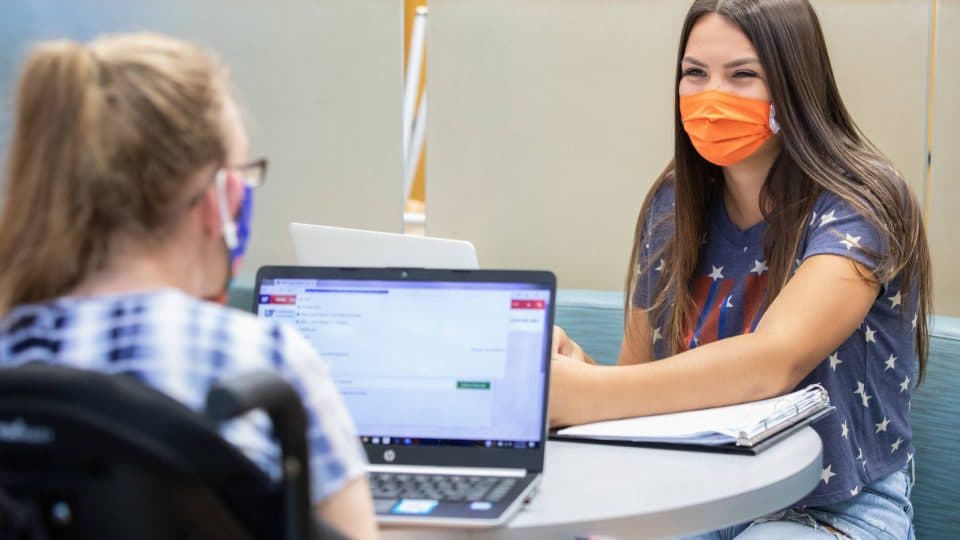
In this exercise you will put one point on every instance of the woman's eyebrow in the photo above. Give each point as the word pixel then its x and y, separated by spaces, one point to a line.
pixel 731 64
pixel 741 62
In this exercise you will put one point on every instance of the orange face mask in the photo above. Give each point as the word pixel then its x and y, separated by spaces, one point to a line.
pixel 726 128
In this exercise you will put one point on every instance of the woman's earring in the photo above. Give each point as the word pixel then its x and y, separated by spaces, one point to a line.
pixel 774 125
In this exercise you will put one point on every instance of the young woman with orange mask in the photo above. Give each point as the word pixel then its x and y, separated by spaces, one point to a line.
pixel 778 249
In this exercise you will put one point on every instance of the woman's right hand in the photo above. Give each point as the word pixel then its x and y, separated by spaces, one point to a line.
pixel 564 346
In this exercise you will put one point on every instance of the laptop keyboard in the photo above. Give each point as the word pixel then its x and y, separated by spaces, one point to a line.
pixel 440 487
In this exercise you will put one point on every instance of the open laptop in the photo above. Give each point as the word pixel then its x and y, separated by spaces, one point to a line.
pixel 445 373
pixel 321 245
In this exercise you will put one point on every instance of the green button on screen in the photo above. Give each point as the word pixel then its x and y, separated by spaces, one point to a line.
pixel 473 385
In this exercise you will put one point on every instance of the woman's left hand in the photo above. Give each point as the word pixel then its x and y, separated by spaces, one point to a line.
pixel 571 390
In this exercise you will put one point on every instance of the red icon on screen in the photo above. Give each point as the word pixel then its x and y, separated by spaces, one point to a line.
pixel 285 299
pixel 528 304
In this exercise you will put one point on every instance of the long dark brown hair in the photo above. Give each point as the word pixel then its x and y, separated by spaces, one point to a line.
pixel 823 150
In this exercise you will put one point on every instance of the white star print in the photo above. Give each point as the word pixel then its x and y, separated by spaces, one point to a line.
pixel 905 385
pixel 862 390
pixel 860 455
pixel 895 300
pixel 855 491
pixel 909 457
pixel 661 266
pixel 813 219
pixel 827 474
pixel 870 334
pixel 851 241
pixel 835 360
pixel 915 317
pixel 759 267
pixel 844 429
pixel 717 273
pixel 827 218
pixel 891 363
pixel 657 336
pixel 896 445
pixel 882 426
pixel 730 301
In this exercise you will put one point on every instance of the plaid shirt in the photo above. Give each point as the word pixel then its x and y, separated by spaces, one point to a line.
pixel 181 346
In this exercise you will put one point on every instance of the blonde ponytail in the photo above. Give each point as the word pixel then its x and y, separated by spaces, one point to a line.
pixel 106 137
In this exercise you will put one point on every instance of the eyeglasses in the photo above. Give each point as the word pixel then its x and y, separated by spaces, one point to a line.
pixel 252 173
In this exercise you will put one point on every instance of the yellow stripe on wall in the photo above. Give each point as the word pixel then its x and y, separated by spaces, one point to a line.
pixel 418 190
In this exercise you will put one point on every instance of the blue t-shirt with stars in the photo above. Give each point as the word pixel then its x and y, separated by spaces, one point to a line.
pixel 868 377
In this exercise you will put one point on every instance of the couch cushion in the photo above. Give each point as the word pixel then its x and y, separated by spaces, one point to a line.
pixel 240 294
pixel 594 319
pixel 935 414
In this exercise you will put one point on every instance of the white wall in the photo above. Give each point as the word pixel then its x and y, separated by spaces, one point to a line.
pixel 320 81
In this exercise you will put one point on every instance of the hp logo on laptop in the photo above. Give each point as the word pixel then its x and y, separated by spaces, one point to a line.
pixel 389 456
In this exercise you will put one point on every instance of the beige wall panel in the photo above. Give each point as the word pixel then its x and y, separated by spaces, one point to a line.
pixel 944 219
pixel 880 51
pixel 324 88
pixel 549 119
pixel 320 81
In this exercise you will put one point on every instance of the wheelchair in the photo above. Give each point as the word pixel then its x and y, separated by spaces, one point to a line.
pixel 92 455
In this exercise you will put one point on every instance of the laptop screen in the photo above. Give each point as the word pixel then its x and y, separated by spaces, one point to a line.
pixel 428 363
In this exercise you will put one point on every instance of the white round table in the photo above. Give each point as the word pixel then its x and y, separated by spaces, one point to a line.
pixel 627 492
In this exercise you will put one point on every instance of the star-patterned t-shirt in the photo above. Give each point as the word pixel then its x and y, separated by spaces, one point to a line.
pixel 868 377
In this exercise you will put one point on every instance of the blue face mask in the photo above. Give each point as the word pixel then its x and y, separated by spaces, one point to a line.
pixel 236 230
pixel 243 221
pixel 237 227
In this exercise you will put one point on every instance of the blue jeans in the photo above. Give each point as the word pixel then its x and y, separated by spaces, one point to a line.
pixel 881 511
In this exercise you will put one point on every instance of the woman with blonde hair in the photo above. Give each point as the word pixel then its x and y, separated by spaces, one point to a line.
pixel 778 249
pixel 127 203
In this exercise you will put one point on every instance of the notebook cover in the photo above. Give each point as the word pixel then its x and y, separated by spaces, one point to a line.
pixel 731 448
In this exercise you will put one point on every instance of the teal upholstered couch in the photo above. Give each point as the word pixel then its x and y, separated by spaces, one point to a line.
pixel 595 320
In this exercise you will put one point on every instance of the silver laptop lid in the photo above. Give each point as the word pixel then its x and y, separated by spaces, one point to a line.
pixel 320 245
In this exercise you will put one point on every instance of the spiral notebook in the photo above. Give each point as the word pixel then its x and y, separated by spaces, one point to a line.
pixel 747 428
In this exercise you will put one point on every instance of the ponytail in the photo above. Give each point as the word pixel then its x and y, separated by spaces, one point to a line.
pixel 106 137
